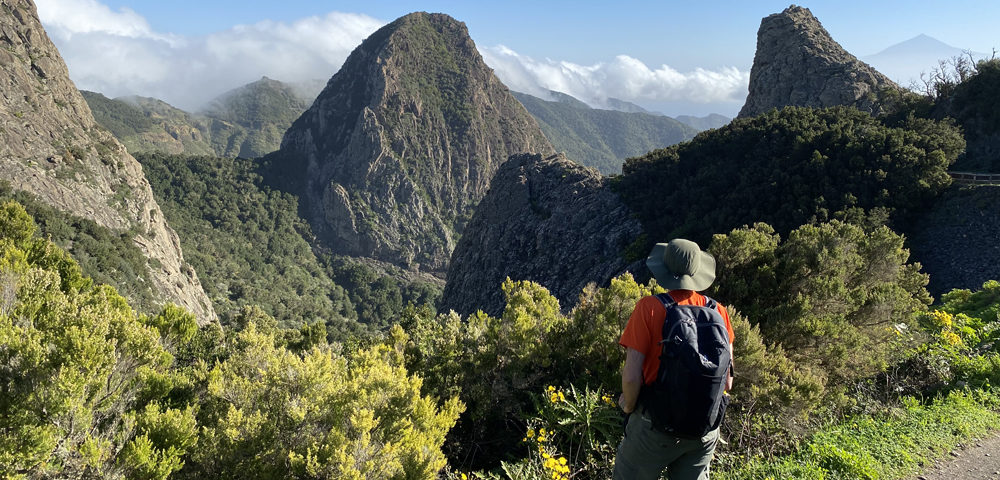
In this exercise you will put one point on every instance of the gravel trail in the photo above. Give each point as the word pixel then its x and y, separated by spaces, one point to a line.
pixel 979 459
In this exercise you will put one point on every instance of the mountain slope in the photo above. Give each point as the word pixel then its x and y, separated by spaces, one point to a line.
pixel 710 121
pixel 265 109
pixel 905 61
pixel 602 139
pixel 51 147
pixel 248 121
pixel 798 63
pixel 149 125
pixel 393 156
pixel 547 220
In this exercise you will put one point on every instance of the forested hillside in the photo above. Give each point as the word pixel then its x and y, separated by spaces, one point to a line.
pixel 966 92
pixel 789 167
pixel 150 125
pixel 602 139
pixel 831 229
pixel 245 122
pixel 254 250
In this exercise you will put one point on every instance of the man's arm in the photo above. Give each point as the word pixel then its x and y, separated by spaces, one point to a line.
pixel 729 376
pixel 631 380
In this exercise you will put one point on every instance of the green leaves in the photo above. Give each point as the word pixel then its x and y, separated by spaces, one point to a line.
pixel 321 415
pixel 788 168
pixel 71 361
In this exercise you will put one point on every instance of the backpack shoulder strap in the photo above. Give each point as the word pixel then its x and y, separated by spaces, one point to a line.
pixel 666 300
pixel 711 303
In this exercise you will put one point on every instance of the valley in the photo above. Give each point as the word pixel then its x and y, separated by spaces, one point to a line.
pixel 414 271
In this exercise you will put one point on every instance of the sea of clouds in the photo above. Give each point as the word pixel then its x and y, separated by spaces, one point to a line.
pixel 117 53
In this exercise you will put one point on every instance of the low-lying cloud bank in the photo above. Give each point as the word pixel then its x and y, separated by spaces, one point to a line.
pixel 624 78
pixel 118 53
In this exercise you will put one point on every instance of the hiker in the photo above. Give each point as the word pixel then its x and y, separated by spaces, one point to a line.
pixel 673 415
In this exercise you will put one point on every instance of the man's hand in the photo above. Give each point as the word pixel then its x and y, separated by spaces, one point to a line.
pixel 621 404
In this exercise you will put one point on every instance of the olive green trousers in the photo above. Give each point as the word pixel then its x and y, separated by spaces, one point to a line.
pixel 646 454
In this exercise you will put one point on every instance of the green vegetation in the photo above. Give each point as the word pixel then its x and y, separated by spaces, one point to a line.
pixel 250 247
pixel 967 92
pixel 247 122
pixel 92 389
pixel 107 256
pixel 602 139
pixel 264 109
pixel 787 168
pixel 892 445
pixel 123 119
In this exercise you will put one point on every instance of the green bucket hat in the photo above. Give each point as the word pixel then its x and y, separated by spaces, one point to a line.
pixel 680 265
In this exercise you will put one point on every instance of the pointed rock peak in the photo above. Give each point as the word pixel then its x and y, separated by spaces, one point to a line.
pixel 799 63
pixel 395 153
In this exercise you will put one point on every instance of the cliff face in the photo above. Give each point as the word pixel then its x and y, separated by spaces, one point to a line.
pixel 798 63
pixel 955 239
pixel 51 147
pixel 547 220
pixel 396 152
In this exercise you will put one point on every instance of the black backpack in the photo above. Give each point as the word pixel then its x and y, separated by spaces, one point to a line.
pixel 688 398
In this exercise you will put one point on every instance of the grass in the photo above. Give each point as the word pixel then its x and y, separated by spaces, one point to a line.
pixel 893 446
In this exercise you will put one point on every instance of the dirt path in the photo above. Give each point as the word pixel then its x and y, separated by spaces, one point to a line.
pixel 979 459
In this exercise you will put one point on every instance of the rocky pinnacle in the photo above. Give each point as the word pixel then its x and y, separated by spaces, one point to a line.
pixel 798 63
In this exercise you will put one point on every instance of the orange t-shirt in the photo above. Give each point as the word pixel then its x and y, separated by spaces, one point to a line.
pixel 644 330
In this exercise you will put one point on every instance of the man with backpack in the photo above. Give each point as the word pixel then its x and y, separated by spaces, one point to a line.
pixel 678 366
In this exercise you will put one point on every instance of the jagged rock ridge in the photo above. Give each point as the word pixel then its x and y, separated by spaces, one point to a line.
pixel 548 220
pixel 393 156
pixel 51 147
pixel 798 63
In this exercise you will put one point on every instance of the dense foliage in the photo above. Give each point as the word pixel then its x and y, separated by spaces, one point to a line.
pixel 91 389
pixel 247 243
pixel 968 92
pixel 787 168
pixel 250 247
pixel 73 357
pixel 264 109
pixel 107 256
pixel 603 139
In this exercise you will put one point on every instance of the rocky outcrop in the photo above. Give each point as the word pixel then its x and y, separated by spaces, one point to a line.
pixel 395 153
pixel 547 220
pixel 955 240
pixel 798 63
pixel 51 147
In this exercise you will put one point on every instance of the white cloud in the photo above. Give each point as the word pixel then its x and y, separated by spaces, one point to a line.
pixel 624 78
pixel 117 53
pixel 72 17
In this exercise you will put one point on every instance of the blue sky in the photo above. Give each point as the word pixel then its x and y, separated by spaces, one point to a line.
pixel 693 57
